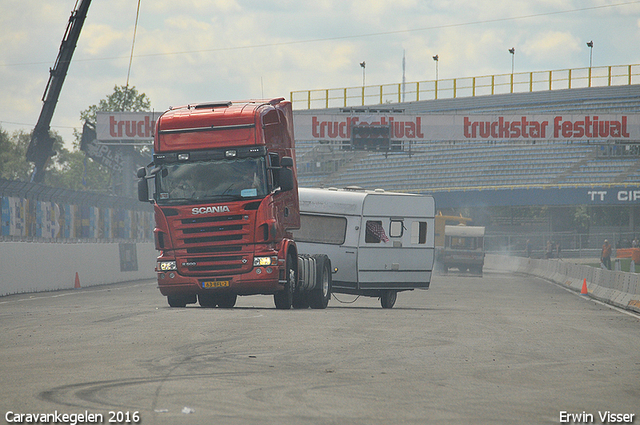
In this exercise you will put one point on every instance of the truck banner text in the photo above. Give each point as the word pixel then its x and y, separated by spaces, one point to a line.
pixel 461 127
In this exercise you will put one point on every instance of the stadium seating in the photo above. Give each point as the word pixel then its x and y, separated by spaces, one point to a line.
pixel 439 165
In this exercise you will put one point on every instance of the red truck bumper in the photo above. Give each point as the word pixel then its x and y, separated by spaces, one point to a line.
pixel 260 280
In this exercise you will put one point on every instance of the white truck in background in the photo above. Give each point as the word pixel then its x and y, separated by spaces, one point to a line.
pixel 380 243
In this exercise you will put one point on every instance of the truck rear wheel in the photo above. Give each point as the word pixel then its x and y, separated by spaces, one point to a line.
pixel 284 299
pixel 388 298
pixel 319 297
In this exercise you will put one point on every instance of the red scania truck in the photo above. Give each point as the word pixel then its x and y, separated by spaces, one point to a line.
pixel 226 200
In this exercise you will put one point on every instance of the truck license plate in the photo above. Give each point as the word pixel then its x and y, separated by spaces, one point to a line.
pixel 215 284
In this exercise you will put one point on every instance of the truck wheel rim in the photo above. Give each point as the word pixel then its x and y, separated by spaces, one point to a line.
pixel 325 284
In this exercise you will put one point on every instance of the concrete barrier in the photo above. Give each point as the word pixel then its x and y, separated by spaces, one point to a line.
pixel 621 289
pixel 37 267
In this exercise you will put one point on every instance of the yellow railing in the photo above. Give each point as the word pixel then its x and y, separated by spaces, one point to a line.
pixel 519 82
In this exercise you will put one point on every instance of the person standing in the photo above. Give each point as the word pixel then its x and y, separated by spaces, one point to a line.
pixel 605 256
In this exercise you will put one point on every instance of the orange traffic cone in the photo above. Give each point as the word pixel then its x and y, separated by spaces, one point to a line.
pixel 584 287
pixel 77 284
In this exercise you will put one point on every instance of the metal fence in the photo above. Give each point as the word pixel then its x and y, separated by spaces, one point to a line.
pixel 466 87
pixel 34 212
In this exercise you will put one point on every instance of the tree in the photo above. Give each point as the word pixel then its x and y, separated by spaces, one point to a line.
pixel 13 163
pixel 123 98
pixel 69 169
pixel 77 166
pixel 76 171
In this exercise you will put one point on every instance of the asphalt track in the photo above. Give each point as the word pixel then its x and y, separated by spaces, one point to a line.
pixel 501 349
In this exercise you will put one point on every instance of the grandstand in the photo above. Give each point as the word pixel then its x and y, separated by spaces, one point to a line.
pixel 430 166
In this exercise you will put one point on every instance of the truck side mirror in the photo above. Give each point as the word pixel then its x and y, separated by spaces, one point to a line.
pixel 143 190
pixel 286 179
pixel 285 174
pixel 142 172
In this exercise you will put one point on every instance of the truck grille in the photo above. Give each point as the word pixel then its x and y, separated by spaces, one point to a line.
pixel 215 245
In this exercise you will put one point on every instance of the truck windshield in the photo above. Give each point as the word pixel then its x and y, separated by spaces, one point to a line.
pixel 189 182
pixel 464 242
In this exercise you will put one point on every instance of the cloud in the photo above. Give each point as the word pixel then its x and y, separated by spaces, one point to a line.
pixel 551 44
pixel 196 50
pixel 100 40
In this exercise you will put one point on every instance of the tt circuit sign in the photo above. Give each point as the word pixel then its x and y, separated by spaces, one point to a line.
pixel 613 196
pixel 552 196
pixel 459 127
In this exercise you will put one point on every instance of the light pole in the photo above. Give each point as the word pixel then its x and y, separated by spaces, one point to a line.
pixel 513 58
pixel 513 62
pixel 435 58
pixel 363 65
pixel 590 46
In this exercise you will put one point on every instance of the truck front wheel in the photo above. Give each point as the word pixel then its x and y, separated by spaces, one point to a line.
pixel 180 300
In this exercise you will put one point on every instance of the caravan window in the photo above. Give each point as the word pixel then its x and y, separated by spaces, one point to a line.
pixel 419 232
pixel 396 228
pixel 375 232
pixel 321 229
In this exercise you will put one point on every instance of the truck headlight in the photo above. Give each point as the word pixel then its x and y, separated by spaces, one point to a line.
pixel 264 261
pixel 167 265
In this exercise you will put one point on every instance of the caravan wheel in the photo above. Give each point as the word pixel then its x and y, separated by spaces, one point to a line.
pixel 388 298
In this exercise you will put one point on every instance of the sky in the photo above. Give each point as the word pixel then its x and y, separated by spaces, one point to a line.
pixel 207 50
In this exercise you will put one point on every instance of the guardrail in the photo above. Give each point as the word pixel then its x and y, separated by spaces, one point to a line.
pixel 519 82
pixel 618 288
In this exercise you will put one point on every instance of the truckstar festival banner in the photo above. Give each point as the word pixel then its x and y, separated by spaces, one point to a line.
pixel 129 126
pixel 460 127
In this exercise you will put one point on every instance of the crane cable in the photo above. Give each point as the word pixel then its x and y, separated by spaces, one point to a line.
pixel 135 28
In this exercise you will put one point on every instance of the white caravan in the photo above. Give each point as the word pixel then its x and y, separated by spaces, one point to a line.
pixel 380 242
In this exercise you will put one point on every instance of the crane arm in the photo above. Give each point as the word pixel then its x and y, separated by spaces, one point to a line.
pixel 41 146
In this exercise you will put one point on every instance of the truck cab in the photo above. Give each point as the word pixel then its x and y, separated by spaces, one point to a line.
pixel 225 197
